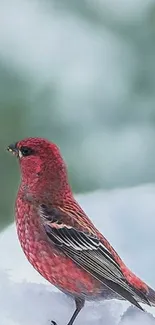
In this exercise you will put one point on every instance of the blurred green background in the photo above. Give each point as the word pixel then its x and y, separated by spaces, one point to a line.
pixel 82 74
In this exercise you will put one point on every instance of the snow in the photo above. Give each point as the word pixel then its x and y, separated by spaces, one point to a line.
pixel 126 217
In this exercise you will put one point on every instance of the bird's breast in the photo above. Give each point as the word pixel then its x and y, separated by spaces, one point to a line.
pixel 47 259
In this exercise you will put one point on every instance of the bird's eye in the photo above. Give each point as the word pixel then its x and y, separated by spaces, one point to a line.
pixel 25 151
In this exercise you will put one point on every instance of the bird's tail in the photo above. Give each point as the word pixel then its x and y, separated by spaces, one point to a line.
pixel 151 296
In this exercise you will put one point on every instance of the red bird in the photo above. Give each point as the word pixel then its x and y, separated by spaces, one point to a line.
pixel 58 238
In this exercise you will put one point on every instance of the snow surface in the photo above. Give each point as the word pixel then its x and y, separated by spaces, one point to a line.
pixel 127 219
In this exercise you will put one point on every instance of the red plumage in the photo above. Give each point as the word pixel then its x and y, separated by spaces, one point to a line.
pixel 58 238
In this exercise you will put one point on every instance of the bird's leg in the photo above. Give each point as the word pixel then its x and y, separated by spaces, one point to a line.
pixel 79 305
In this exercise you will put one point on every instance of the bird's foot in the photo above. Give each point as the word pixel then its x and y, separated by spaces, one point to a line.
pixel 53 322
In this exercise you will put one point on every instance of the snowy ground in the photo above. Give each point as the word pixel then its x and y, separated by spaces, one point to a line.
pixel 127 219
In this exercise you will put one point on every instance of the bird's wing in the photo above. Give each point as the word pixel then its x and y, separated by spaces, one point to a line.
pixel 85 249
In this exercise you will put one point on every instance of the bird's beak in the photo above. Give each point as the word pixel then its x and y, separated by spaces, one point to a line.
pixel 13 148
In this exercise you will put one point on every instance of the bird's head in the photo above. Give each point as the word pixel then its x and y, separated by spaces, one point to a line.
pixel 42 166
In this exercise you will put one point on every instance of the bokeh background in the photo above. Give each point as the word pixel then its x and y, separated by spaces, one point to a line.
pixel 82 74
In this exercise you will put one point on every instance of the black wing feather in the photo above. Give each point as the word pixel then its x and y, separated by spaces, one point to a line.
pixel 88 252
